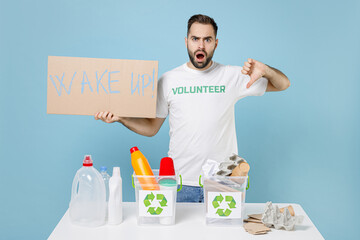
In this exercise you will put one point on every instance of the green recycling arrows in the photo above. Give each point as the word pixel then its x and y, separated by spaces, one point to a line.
pixel 217 201
pixel 149 199
pixel 162 198
pixel 221 212
pixel 152 210
pixel 231 200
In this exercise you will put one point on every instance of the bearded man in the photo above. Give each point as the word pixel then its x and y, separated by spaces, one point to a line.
pixel 199 98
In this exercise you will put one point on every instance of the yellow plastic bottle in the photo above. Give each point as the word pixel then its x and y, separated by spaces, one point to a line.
pixel 142 168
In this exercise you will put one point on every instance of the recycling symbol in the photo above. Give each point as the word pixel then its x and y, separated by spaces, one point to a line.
pixel 149 200
pixel 230 202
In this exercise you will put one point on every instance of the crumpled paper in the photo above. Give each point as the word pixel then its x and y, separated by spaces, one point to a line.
pixel 210 168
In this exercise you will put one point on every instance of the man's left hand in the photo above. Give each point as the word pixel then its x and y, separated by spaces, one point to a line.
pixel 254 69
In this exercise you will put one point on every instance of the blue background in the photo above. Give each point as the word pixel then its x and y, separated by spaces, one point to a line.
pixel 302 144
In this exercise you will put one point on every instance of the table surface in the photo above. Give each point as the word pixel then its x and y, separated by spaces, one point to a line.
pixel 190 224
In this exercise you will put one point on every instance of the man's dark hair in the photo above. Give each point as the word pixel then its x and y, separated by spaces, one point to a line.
pixel 203 19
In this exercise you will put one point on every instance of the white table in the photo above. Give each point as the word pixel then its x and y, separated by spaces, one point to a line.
pixel 190 224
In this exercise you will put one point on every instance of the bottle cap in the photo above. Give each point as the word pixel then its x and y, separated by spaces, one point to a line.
pixel 167 167
pixel 133 149
pixel 167 182
pixel 103 169
pixel 87 162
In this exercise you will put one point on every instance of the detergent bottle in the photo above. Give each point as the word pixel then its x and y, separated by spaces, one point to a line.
pixel 143 170
pixel 115 198
pixel 88 197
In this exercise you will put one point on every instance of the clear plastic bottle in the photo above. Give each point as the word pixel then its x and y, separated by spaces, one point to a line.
pixel 106 177
pixel 88 197
pixel 115 198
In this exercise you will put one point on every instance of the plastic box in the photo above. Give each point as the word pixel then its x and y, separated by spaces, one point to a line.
pixel 224 200
pixel 155 204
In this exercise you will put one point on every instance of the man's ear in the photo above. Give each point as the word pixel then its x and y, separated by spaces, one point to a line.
pixel 186 41
pixel 216 43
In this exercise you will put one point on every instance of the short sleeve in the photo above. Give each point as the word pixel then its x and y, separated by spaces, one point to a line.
pixel 258 88
pixel 161 102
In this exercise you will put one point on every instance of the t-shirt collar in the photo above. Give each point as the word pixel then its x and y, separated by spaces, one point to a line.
pixel 213 65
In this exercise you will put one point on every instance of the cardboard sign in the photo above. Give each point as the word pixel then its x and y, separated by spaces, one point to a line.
pixel 84 86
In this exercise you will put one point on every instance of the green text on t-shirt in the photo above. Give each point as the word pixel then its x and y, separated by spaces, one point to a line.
pixel 199 89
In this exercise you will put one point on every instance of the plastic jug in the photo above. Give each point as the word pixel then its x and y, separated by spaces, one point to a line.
pixel 88 197
pixel 142 168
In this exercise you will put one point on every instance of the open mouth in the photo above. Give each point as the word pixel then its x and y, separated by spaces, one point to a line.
pixel 200 56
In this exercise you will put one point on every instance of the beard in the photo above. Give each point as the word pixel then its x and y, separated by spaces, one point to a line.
pixel 200 65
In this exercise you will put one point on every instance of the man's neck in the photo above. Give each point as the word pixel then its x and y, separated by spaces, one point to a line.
pixel 190 65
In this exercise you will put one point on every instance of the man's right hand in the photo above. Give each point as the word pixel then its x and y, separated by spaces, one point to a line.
pixel 143 126
pixel 107 117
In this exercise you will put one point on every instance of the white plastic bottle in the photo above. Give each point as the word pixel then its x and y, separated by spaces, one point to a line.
pixel 88 197
pixel 115 198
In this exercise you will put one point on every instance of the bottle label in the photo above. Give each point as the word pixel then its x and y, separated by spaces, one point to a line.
pixel 156 203
pixel 224 205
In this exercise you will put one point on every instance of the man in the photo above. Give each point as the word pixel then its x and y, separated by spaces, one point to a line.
pixel 199 97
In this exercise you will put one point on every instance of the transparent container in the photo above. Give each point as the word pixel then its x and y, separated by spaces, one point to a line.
pixel 224 200
pixel 88 197
pixel 106 177
pixel 156 204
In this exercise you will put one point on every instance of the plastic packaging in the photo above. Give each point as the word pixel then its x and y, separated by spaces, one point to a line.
pixel 155 206
pixel 167 167
pixel 142 168
pixel 225 200
pixel 106 177
pixel 115 215
pixel 167 181
pixel 88 197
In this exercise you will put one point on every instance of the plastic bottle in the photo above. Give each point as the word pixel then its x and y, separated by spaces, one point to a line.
pixel 167 182
pixel 167 167
pixel 106 178
pixel 115 198
pixel 142 168
pixel 88 197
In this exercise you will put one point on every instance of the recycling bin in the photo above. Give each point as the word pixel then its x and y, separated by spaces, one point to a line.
pixel 155 198
pixel 224 199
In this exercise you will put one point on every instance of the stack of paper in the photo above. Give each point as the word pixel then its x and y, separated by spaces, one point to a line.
pixel 254 225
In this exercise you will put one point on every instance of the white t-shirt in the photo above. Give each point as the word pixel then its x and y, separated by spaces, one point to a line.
pixel 200 105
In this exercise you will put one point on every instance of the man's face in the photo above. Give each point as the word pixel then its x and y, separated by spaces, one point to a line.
pixel 201 44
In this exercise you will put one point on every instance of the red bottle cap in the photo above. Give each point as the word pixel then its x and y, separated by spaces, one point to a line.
pixel 87 162
pixel 134 149
pixel 167 167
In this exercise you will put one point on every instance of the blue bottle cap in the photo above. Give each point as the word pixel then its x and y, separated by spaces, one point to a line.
pixel 103 169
